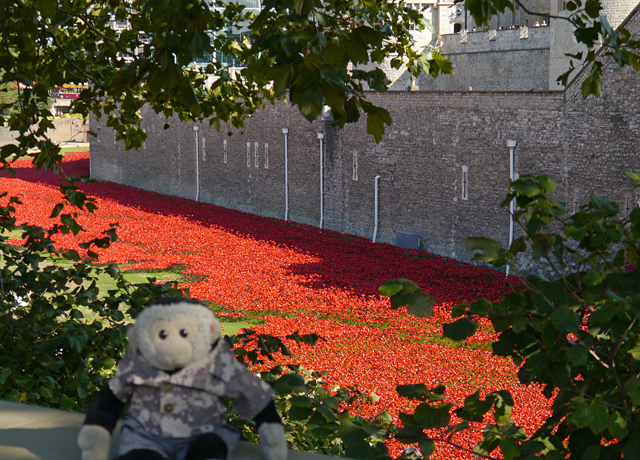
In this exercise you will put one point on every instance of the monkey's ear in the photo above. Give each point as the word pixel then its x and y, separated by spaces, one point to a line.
pixel 216 329
pixel 131 335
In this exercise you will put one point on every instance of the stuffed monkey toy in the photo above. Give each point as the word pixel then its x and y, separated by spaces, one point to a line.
pixel 174 376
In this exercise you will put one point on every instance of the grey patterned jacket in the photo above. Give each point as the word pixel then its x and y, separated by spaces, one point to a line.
pixel 188 402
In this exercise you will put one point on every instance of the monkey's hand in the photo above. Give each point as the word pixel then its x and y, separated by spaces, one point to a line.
pixel 273 442
pixel 94 441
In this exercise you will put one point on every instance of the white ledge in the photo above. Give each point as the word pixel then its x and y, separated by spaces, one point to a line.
pixel 38 433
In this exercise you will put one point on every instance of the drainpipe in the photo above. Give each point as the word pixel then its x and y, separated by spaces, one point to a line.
pixel 196 128
pixel 375 218
pixel 285 131
pixel 511 143
pixel 321 137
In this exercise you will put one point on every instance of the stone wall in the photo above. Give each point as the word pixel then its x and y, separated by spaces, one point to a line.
pixel 420 163
pixel 443 164
pixel 601 134
pixel 494 60
pixel 65 130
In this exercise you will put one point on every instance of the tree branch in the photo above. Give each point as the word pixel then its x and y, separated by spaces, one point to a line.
pixel 96 31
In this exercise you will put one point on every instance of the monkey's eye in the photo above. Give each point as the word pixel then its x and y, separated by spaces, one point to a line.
pixel 163 334
pixel 184 332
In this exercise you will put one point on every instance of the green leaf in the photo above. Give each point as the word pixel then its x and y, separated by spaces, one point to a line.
pixel 509 448
pixel 376 122
pixel 592 85
pixel 581 414
pixel 546 184
pixel 301 401
pixel 631 451
pixel 600 416
pixel 378 81
pixel 308 97
pixel 281 75
pixel 427 447
pixel 422 307
pixel 427 416
pixel 578 355
pixel 460 329
pixel 390 288
pixel 565 320
pixel 634 216
pixel 635 351
pixel 490 250
pixel 526 187
pixel 618 425
pixel 592 453
pixel 356 441
pixel 458 310
pixel 610 207
pixel 290 383
pixel 420 392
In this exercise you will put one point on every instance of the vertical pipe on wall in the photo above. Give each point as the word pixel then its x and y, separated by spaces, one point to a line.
pixel 511 143
pixel 321 137
pixel 285 131
pixel 375 227
pixel 196 128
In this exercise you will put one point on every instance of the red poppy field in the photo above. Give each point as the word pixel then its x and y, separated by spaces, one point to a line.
pixel 301 279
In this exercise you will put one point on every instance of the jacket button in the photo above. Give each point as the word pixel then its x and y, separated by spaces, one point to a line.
pixel 168 408
pixel 168 386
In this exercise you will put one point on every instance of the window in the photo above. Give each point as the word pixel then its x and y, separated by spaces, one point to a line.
pixel 255 153
pixel 465 182
pixel 355 165
pixel 204 151
pixel 457 28
pixel 266 156
pixel 248 154
pixel 99 134
pixel 224 151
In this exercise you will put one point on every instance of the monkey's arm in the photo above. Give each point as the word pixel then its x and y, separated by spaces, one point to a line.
pixel 271 431
pixel 105 410
pixel 95 435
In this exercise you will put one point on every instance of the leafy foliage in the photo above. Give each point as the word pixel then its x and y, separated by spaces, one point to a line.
pixel 576 335
pixel 60 336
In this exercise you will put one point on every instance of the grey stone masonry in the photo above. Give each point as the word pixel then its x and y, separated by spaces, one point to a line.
pixel 443 163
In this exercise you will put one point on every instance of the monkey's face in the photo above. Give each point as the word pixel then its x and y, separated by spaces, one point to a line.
pixel 174 334
pixel 173 342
